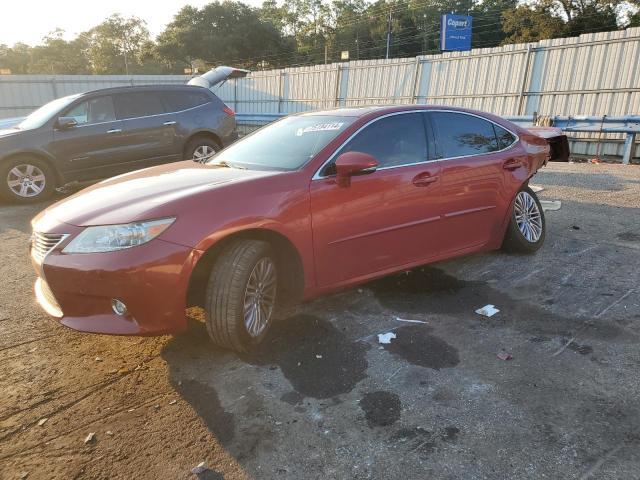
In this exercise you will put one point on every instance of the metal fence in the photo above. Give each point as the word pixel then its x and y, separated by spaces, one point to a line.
pixel 591 75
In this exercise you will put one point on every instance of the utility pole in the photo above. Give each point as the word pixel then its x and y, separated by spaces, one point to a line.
pixel 388 35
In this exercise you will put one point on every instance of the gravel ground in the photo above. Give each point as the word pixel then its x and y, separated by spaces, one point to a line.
pixel 323 399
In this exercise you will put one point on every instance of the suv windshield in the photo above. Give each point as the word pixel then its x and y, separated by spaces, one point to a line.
pixel 284 145
pixel 43 114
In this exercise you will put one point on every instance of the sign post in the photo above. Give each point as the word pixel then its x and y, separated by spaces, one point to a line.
pixel 455 32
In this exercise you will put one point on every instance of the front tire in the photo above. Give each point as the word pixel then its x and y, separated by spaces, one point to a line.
pixel 527 227
pixel 26 180
pixel 241 295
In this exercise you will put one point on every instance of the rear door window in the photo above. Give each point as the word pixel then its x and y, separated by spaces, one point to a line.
pixel 179 100
pixel 95 110
pixel 460 135
pixel 138 104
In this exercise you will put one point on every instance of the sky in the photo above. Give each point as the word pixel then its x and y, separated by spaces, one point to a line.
pixel 28 21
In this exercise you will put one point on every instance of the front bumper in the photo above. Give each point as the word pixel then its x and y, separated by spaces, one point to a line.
pixel 152 280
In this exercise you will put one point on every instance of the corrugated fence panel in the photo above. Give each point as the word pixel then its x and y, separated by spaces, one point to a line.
pixel 594 74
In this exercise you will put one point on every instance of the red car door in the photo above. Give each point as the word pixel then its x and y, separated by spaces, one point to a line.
pixel 384 219
pixel 473 198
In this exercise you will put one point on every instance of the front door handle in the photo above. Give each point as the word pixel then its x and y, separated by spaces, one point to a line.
pixel 424 179
pixel 171 122
pixel 114 130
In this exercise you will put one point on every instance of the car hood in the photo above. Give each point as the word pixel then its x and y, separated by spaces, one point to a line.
pixel 145 194
pixel 9 132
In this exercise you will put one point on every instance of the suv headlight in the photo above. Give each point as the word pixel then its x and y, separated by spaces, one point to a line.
pixel 109 238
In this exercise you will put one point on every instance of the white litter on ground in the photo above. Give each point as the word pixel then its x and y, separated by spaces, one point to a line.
pixel 408 321
pixel 487 310
pixel 536 188
pixel 386 337
pixel 200 468
pixel 42 421
pixel 550 205
pixel 90 437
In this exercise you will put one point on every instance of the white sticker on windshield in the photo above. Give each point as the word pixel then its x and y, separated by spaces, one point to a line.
pixel 319 127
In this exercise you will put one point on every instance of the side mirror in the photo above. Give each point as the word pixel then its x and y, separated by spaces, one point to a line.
pixel 353 163
pixel 65 123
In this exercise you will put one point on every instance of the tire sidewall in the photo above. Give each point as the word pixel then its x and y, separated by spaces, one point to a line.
pixel 7 194
pixel 515 240
pixel 247 340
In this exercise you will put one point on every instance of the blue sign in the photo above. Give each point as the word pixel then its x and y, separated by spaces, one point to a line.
pixel 455 32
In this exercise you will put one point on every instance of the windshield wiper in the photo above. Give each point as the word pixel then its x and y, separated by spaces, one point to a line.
pixel 223 163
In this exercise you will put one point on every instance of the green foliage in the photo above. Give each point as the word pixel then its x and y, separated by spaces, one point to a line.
pixel 298 32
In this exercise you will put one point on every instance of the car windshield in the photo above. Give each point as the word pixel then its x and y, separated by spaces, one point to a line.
pixel 44 113
pixel 287 144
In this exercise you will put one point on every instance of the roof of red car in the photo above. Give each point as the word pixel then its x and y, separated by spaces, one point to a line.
pixel 380 109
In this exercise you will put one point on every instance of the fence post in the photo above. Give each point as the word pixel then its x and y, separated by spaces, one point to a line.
pixel 54 87
pixel 416 83
pixel 629 148
pixel 235 94
pixel 338 80
pixel 280 90
pixel 523 85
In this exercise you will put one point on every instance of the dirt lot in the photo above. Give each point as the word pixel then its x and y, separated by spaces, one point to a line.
pixel 324 400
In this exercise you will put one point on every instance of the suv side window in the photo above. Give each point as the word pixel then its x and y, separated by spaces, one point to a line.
pixel 394 141
pixel 505 138
pixel 94 110
pixel 138 104
pixel 179 100
pixel 460 135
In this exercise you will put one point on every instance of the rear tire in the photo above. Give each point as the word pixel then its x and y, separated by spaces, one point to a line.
pixel 243 281
pixel 26 180
pixel 200 149
pixel 527 227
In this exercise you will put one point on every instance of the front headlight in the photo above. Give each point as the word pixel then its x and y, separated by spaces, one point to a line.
pixel 109 238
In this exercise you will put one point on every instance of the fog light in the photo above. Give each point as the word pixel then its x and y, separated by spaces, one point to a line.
pixel 119 308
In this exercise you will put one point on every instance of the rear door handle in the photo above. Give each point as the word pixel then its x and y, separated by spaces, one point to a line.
pixel 512 164
pixel 172 122
pixel 114 130
pixel 424 179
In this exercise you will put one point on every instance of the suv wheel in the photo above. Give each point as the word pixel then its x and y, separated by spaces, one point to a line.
pixel 527 227
pixel 241 295
pixel 201 149
pixel 26 180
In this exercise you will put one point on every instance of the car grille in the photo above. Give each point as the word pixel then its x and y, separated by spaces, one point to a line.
pixel 43 243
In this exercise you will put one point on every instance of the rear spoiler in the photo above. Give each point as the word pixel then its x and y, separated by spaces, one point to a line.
pixel 557 140
pixel 217 76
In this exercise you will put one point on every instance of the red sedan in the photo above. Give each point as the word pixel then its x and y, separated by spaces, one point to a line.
pixel 312 203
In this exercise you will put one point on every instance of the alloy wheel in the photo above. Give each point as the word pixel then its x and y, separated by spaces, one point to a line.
pixel 203 153
pixel 26 180
pixel 528 217
pixel 260 296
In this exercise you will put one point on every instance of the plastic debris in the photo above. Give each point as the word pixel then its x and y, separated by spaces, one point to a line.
pixel 90 438
pixel 550 205
pixel 487 310
pixel 386 338
pixel 98 359
pixel 408 320
pixel 505 356
pixel 318 357
pixel 173 402
pixel 109 432
pixel 200 468
pixel 536 188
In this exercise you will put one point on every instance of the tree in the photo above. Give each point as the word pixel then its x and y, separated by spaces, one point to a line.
pixel 117 45
pixel 16 59
pixel 228 32
pixel 57 56
pixel 530 24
